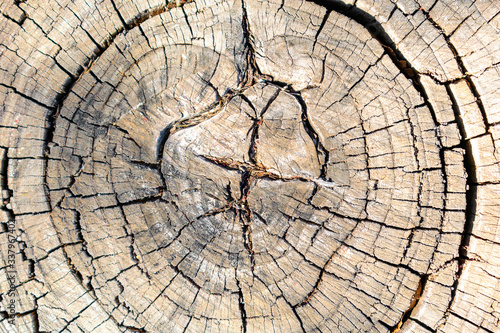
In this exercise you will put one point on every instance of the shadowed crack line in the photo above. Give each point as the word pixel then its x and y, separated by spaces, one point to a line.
pixel 191 121
pixel 413 303
pixel 254 74
pixel 241 302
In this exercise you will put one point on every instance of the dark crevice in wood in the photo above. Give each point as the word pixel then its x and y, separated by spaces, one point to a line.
pixel 281 6
pixel 22 247
pixel 408 245
pixel 188 278
pixel 246 227
pixel 133 329
pixel 413 303
pixel 392 12
pixel 252 68
pixel 254 74
pixel 294 309
pixel 471 197
pixel 323 153
pixel 480 328
pixel 19 22
pixel 146 165
pixel 420 184
pixel 241 303
pixel 191 121
pixel 323 22
pixel 254 138
pixel 315 288
pixel 90 287
pixel 145 36
pixel 125 25
pixel 78 275
pixel 36 320
pixel 187 325
pixel 422 324
pixel 152 198
pixel 487 183
pixel 187 22
pixel 268 104
pixel 79 232
pixel 29 98
pixel 445 189
pixel 31 269
pixel 4 187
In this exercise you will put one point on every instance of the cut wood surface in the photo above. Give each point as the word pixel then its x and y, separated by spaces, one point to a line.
pixel 250 166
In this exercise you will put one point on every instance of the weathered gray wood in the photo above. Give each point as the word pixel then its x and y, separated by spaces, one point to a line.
pixel 249 166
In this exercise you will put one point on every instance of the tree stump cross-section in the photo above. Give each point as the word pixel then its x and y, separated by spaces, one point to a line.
pixel 250 166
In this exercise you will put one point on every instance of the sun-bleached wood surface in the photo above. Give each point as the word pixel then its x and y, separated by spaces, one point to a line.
pixel 250 166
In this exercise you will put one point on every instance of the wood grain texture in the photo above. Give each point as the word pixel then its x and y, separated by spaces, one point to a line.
pixel 249 166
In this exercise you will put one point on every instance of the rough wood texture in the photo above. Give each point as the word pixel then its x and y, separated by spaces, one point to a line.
pixel 250 166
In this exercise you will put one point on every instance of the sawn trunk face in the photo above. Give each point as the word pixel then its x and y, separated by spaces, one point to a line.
pixel 250 166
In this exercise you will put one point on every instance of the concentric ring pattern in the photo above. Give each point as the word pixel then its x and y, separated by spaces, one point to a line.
pixel 256 166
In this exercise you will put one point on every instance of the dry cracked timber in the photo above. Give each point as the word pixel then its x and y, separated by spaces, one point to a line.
pixel 250 166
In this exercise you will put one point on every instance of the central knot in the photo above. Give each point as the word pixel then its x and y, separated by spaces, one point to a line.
pixel 258 133
pixel 235 173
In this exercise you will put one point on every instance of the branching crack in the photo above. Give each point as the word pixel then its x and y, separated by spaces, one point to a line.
pixel 253 74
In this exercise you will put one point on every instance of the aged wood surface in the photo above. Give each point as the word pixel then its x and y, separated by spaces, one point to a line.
pixel 250 166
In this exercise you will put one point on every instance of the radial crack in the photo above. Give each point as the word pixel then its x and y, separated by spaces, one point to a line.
pixel 241 303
